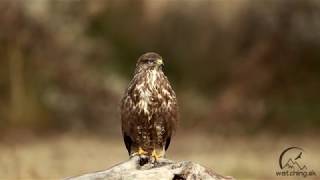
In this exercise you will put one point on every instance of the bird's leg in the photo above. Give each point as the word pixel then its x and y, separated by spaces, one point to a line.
pixel 140 152
pixel 157 155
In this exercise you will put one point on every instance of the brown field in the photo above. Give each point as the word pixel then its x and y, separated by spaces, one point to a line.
pixel 245 157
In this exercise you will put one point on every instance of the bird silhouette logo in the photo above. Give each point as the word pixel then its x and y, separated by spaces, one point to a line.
pixel 291 162
pixel 299 156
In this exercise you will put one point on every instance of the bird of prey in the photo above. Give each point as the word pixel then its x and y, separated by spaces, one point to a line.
pixel 149 110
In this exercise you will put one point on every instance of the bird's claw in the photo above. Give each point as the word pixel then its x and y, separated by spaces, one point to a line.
pixel 140 152
pixel 155 156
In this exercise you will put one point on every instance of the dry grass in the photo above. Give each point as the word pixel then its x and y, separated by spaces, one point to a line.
pixel 67 155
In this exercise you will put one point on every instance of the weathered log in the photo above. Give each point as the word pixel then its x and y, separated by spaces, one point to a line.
pixel 143 168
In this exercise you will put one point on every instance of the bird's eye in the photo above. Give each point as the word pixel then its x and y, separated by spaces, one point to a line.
pixel 148 61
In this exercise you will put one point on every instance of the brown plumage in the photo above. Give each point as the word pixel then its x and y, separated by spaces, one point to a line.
pixel 148 109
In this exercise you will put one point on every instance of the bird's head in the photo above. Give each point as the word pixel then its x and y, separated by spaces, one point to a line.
pixel 149 61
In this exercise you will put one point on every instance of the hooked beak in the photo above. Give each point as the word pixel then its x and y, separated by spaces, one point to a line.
pixel 159 62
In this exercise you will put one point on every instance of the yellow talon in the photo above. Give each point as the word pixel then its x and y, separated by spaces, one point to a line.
pixel 155 155
pixel 142 152
pixel 139 153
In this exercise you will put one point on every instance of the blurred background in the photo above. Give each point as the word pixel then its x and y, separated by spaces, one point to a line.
pixel 246 74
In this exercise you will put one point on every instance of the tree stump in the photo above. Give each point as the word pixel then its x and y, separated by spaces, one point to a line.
pixel 143 168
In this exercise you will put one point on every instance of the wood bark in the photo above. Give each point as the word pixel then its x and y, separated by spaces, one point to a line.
pixel 142 168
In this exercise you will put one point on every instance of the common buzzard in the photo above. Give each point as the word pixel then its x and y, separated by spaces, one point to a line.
pixel 148 109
